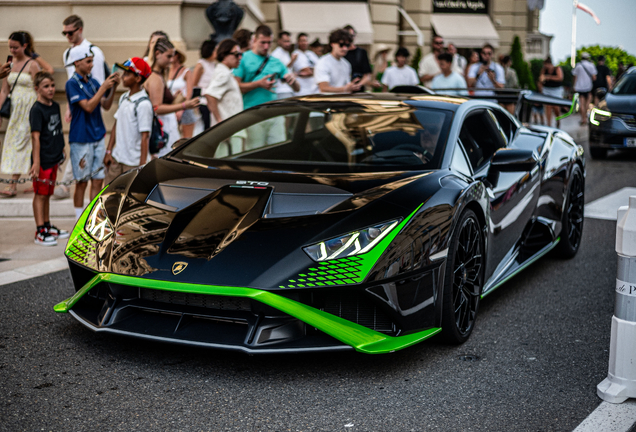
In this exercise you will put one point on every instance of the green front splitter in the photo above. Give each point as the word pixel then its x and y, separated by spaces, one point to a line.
pixel 359 337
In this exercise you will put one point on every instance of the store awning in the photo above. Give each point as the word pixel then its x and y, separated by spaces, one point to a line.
pixel 318 19
pixel 464 30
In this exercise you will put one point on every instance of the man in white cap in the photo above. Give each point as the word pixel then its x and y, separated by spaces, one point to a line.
pixel 86 136
pixel 584 74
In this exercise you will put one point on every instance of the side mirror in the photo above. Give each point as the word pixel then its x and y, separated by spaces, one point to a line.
pixel 601 92
pixel 513 160
pixel 178 143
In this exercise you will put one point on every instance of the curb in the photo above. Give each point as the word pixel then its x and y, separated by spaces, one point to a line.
pixel 23 207
pixel 33 270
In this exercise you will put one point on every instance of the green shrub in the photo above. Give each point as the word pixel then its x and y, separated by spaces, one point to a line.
pixel 522 68
pixel 415 61
pixel 613 55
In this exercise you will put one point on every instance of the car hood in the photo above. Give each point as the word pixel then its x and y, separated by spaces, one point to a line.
pixel 238 228
pixel 624 104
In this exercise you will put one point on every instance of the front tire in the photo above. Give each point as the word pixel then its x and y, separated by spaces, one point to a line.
pixel 463 280
pixel 573 217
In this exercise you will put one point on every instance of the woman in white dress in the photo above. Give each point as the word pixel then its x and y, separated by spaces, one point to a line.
pixel 16 148
pixel 201 76
pixel 160 56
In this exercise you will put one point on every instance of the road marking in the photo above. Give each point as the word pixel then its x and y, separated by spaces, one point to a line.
pixel 610 417
pixel 33 270
pixel 607 207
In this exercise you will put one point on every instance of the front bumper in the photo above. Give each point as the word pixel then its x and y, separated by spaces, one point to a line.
pixel 611 133
pixel 235 318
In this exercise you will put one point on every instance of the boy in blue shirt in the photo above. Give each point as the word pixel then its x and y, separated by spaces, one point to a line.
pixel 86 136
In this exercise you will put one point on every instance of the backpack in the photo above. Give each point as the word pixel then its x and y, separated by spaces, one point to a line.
pixel 158 137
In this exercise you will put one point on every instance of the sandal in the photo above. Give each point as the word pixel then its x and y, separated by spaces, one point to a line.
pixel 8 192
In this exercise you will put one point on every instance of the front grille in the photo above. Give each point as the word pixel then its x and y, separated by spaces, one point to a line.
pixel 355 308
pixel 629 120
pixel 198 300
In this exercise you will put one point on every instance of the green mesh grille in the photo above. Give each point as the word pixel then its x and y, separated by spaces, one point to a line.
pixel 340 271
pixel 83 249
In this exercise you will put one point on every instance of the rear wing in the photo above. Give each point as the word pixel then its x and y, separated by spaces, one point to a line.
pixel 523 99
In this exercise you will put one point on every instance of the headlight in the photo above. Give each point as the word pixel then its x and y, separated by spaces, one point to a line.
pixel 97 225
pixel 354 243
pixel 598 115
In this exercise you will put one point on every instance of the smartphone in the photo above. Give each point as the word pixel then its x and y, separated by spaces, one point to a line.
pixel 114 69
pixel 9 58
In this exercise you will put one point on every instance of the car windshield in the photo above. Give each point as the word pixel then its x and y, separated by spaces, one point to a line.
pixel 299 138
pixel 626 85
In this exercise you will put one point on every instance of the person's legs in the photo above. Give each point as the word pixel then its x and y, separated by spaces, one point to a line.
pixel 78 196
pixel 584 100
pixel 38 209
pixel 548 114
pixel 97 162
pixel 96 186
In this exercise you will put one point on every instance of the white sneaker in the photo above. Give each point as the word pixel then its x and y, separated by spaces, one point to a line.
pixel 61 192
pixel 44 238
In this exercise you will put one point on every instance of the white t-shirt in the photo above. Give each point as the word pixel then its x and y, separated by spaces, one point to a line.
pixel 395 76
pixel 98 62
pixel 131 122
pixel 582 72
pixel 285 58
pixel 224 87
pixel 454 80
pixel 307 59
pixel 335 72
pixel 483 81
pixel 428 66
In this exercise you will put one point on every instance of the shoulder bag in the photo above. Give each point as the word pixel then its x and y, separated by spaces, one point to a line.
pixel 5 111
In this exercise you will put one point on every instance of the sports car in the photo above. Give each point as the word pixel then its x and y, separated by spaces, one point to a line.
pixel 366 222
pixel 613 121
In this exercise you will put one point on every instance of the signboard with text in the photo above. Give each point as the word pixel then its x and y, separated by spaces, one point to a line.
pixel 460 6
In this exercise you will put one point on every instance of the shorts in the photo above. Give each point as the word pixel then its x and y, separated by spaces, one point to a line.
pixel 188 117
pixel 116 169
pixel 553 91
pixel 584 94
pixel 45 183
pixel 538 109
pixel 87 158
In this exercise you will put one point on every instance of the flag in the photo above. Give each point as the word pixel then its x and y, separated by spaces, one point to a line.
pixel 587 9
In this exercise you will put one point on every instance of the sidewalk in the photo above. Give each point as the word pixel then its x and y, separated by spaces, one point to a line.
pixel 17 227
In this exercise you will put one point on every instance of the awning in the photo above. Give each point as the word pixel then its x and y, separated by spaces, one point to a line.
pixel 464 30
pixel 318 19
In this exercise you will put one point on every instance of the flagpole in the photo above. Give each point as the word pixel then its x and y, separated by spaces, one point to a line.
pixel 573 49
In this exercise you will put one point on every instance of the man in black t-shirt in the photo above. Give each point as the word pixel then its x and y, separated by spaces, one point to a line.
pixel 603 77
pixel 48 151
pixel 360 66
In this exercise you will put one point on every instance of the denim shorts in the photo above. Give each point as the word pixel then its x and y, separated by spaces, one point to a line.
pixel 87 158
pixel 188 117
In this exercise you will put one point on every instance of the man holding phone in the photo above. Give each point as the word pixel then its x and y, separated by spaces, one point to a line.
pixel 333 71
pixel 258 72
pixel 486 74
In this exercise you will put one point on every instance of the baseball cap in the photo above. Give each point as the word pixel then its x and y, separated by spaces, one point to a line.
pixel 79 52
pixel 585 55
pixel 136 65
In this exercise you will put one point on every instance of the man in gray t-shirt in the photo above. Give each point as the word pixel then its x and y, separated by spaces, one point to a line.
pixel 584 74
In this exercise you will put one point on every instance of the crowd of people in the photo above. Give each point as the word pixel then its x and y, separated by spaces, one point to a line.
pixel 164 100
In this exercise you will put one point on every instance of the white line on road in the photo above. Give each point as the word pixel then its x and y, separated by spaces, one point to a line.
pixel 607 206
pixel 33 270
pixel 610 417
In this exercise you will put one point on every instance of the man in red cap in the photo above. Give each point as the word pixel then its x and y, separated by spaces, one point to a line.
pixel 129 138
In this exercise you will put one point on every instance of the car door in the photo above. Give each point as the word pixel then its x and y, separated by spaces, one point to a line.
pixel 512 195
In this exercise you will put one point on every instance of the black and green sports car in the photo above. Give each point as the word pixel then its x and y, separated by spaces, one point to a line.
pixel 368 222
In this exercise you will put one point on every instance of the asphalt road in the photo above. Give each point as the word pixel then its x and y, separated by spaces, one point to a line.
pixel 532 364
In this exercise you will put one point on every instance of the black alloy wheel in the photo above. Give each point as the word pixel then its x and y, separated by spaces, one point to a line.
pixel 572 221
pixel 463 280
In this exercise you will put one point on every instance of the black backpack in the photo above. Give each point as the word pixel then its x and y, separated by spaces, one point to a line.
pixel 158 137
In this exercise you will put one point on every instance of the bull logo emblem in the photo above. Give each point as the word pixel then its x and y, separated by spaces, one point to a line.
pixel 178 267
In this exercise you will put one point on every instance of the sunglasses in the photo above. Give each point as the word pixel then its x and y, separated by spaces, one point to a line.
pixel 438 43
pixel 344 44
pixel 236 54
pixel 69 33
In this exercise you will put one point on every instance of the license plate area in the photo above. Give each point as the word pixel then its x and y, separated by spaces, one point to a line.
pixel 630 142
